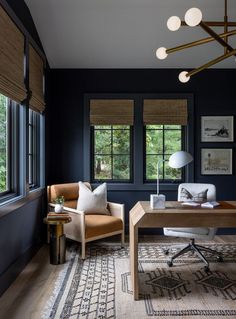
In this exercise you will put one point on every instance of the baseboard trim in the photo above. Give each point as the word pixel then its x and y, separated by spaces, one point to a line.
pixel 9 275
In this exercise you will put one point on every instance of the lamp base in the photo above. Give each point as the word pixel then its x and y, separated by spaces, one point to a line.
pixel 157 201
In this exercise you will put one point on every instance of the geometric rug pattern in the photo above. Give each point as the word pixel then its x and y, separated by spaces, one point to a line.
pixel 100 286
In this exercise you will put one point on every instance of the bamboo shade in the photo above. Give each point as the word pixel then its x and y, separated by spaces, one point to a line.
pixel 36 80
pixel 11 59
pixel 165 112
pixel 111 112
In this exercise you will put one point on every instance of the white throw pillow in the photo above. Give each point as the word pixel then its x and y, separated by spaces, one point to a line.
pixel 185 195
pixel 93 202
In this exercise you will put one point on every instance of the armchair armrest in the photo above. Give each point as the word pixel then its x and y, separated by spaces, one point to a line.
pixel 68 209
pixel 76 229
pixel 117 210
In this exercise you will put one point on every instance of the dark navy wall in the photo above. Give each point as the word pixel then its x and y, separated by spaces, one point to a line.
pixel 214 94
pixel 20 238
pixel 20 222
pixel 23 13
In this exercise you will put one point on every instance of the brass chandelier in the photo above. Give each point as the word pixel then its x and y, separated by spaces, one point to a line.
pixel 192 18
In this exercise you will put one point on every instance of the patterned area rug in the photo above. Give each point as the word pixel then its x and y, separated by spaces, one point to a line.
pixel 100 286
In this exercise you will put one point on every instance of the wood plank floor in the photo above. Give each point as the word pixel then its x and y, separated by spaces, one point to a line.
pixel 26 297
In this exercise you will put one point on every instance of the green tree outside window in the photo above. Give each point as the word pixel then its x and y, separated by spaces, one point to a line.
pixel 3 143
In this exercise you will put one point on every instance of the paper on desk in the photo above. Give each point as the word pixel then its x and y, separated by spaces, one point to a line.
pixel 193 204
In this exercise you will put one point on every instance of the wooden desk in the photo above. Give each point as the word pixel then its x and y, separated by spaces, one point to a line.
pixel 175 215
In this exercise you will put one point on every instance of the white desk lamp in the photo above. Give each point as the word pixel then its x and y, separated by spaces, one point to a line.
pixel 177 160
pixel 180 159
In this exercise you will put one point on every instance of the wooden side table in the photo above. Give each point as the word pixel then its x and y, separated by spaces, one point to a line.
pixel 57 239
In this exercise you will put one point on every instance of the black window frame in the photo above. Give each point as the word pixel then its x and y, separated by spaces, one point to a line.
pixel 33 149
pixel 12 151
pixel 163 155
pixel 92 151
pixel 19 194
pixel 8 147
pixel 138 183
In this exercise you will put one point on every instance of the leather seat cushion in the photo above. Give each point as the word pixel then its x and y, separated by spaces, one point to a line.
pixel 96 225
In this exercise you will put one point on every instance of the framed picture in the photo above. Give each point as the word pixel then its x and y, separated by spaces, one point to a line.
pixel 217 128
pixel 216 161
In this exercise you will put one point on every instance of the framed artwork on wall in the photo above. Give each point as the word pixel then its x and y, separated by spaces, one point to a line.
pixel 217 128
pixel 216 161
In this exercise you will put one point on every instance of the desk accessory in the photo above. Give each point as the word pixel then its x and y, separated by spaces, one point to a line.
pixel 211 204
pixel 177 160
pixel 157 201
pixel 193 204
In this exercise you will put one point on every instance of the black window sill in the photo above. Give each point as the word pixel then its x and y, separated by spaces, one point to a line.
pixel 18 201
pixel 149 187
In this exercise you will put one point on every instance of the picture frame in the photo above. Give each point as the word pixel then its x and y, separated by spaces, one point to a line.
pixel 217 128
pixel 216 161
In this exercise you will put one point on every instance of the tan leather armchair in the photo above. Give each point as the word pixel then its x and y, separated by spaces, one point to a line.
pixel 85 228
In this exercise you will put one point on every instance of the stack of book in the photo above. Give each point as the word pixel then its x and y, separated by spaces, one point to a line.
pixel 211 204
pixel 57 216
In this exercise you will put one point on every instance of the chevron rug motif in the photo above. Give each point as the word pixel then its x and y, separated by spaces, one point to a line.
pixel 100 287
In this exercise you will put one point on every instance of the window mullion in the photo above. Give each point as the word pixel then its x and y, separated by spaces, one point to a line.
pixel 8 146
pixel 165 135
pixel 98 141
pixel 112 160
pixel 163 152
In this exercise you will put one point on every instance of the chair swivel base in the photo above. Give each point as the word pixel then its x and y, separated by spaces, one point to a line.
pixel 197 249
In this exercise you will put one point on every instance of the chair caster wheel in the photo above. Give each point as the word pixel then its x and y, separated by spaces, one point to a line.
pixel 207 269
pixel 219 259
pixel 166 252
pixel 169 263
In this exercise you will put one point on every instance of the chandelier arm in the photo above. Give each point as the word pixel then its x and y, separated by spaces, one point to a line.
pixel 199 42
pixel 214 23
pixel 215 35
pixel 212 62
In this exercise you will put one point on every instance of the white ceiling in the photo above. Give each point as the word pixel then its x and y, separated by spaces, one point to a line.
pixel 124 33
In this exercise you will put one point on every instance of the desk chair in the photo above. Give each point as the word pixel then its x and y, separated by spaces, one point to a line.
pixel 194 192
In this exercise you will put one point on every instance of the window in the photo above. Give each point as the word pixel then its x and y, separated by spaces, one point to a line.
pixel 9 157
pixel 127 135
pixel 160 142
pixel 34 134
pixel 4 145
pixel 21 87
pixel 111 153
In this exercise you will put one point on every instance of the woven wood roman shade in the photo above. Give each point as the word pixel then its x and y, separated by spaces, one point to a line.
pixel 165 112
pixel 111 112
pixel 36 80
pixel 11 59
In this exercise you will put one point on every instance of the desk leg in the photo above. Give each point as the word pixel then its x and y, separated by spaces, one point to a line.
pixel 133 235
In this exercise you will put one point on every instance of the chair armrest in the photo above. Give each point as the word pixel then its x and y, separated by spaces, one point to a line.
pixel 72 210
pixel 117 210
pixel 68 209
pixel 76 229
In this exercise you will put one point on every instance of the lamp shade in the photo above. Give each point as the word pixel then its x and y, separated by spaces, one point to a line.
pixel 173 23
pixel 161 53
pixel 180 159
pixel 193 17
pixel 183 77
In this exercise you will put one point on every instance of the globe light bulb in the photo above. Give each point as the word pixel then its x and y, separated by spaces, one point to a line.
pixel 193 17
pixel 161 53
pixel 173 23
pixel 183 77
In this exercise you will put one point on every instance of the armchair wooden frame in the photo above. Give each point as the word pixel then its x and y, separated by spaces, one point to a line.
pixel 76 230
